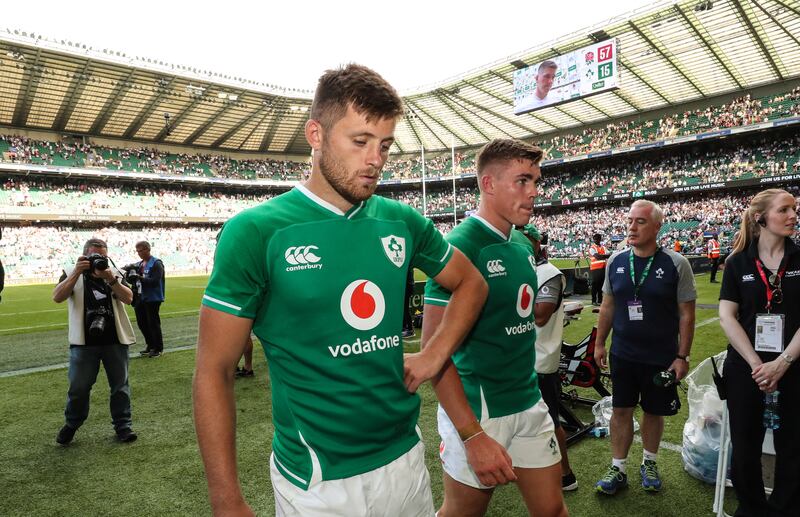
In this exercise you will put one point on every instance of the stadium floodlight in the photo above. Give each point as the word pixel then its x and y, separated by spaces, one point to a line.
pixel 196 91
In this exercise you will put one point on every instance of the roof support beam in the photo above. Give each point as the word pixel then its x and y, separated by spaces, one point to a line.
pixel 151 107
pixel 208 123
pixel 586 100
pixel 269 134
pixel 74 92
pixel 787 7
pixel 431 131
pixel 708 45
pixel 460 100
pixel 442 124
pixel 177 120
pixel 447 102
pixel 510 81
pixel 664 55
pixel 643 80
pixel 414 130
pixel 297 132
pixel 23 107
pixel 627 101
pixel 776 22
pixel 494 114
pixel 263 117
pixel 113 100
pixel 229 133
pixel 758 40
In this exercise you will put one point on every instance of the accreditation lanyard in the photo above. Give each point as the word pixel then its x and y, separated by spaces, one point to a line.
pixel 773 281
pixel 646 271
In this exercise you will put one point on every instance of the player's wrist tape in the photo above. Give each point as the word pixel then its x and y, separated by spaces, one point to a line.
pixel 469 431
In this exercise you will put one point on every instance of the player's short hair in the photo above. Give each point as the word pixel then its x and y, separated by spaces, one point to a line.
pixel 358 86
pixel 94 243
pixel 547 64
pixel 656 213
pixel 506 149
pixel 142 244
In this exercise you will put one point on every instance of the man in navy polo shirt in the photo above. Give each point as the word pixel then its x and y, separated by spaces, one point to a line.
pixel 649 302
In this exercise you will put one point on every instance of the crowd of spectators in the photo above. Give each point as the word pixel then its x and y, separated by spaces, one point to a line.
pixel 740 111
pixel 686 220
pixel 58 197
pixel 19 149
pixel 39 253
pixel 754 157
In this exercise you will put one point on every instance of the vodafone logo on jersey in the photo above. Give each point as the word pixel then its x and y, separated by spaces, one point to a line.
pixel 525 301
pixel 362 305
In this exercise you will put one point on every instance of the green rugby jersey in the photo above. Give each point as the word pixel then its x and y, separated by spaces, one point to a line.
pixel 325 290
pixel 496 360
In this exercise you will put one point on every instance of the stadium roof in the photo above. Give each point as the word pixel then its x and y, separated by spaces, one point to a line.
pixel 670 53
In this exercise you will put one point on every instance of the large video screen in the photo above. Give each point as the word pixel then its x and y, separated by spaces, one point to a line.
pixel 580 73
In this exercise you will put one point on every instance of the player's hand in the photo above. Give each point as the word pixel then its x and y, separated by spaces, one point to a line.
pixel 600 356
pixel 418 368
pixel 489 460
pixel 106 274
pixel 81 265
pixel 680 367
pixel 767 375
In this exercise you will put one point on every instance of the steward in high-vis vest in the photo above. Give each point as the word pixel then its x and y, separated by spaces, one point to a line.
pixel 713 255
pixel 597 268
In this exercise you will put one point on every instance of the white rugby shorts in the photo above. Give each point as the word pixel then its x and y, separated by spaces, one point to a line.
pixel 528 436
pixel 403 487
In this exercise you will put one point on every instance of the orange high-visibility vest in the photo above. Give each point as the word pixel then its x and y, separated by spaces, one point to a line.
pixel 595 263
pixel 713 248
pixel 678 246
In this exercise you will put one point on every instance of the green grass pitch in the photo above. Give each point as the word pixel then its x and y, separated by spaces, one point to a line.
pixel 161 473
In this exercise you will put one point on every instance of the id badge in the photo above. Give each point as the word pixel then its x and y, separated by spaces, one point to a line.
pixel 769 333
pixel 635 310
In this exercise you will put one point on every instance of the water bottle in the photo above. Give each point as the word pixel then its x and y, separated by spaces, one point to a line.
pixel 772 419
pixel 599 431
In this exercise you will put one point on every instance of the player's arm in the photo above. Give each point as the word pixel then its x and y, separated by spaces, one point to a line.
pixel 686 315
pixel 542 312
pixel 736 334
pixel 488 459
pixel 604 321
pixel 220 343
pixel 469 291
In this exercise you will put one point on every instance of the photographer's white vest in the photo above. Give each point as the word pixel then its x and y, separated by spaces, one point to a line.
pixel 548 338
pixel 77 334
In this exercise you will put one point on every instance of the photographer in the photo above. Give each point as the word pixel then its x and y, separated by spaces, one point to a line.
pixel 150 295
pixel 99 331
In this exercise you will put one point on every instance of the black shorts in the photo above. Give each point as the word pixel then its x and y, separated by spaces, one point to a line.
pixel 550 386
pixel 632 380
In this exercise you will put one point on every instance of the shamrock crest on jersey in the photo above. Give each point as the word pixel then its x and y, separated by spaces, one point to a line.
pixel 395 249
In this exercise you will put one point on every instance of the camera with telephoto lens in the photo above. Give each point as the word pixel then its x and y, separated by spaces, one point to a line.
pixel 665 379
pixel 98 318
pixel 97 262
pixel 131 273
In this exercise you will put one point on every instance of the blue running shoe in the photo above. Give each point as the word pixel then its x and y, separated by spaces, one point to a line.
pixel 612 481
pixel 651 481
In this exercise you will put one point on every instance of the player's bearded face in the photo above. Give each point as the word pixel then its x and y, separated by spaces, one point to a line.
pixel 346 183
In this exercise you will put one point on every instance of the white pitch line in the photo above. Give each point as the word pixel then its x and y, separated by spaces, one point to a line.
pixel 31 312
pixel 189 311
pixel 709 321
pixel 662 445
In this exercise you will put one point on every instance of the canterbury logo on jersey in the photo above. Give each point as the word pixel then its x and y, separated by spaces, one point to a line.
pixel 495 268
pixel 302 257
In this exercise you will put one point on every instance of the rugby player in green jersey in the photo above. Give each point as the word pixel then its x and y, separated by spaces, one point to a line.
pixel 319 275
pixel 488 393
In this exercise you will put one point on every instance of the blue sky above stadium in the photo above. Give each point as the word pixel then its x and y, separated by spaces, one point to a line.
pixel 290 43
